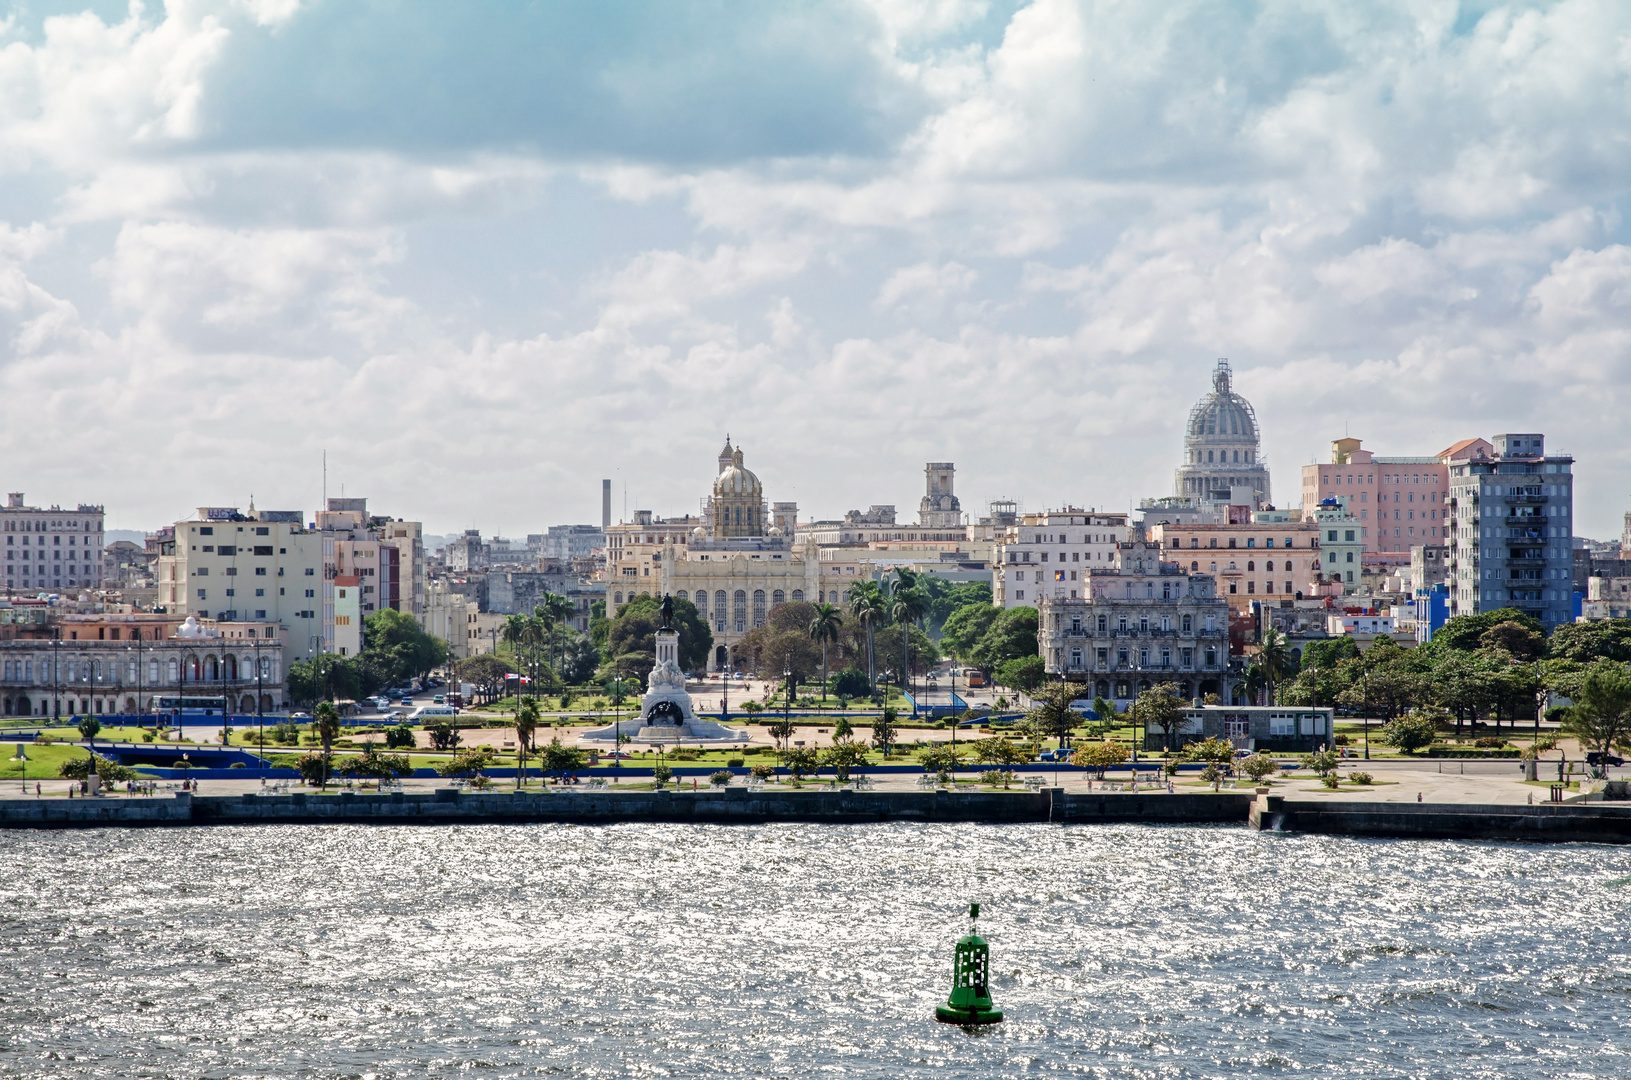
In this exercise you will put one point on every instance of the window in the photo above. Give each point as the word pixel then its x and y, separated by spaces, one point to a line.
pixel 310 571
pixel 1282 724
pixel 201 595
pixel 1102 621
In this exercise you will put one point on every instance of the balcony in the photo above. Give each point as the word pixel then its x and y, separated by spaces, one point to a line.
pixel 1537 535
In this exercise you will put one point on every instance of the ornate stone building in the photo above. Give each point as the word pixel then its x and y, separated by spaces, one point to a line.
pixel 1222 448
pixel 1141 622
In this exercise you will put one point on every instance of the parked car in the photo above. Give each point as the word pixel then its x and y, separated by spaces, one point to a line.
pixel 439 699
pixel 1060 754
pixel 300 717
pixel 1598 758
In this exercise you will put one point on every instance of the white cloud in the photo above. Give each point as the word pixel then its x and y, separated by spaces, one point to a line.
pixel 1388 218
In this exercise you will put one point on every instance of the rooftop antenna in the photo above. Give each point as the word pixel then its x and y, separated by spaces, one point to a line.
pixel 325 479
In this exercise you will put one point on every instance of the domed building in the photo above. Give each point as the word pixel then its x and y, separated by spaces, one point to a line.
pixel 738 504
pixel 1222 448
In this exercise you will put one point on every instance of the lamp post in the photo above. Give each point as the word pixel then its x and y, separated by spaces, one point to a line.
pixel 260 721
pixel 787 704
pixel 1366 692
pixel 56 671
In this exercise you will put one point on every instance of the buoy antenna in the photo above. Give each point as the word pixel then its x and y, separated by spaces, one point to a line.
pixel 974 911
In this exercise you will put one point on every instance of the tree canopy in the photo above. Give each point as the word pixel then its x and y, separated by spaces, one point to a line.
pixel 631 639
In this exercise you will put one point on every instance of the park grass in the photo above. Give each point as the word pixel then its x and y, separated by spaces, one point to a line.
pixel 43 762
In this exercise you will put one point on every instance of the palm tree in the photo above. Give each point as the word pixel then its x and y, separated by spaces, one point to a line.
pixel 824 628
pixel 554 611
pixel 534 633
pixel 867 604
pixel 326 719
pixel 1274 659
pixel 526 722
pixel 907 605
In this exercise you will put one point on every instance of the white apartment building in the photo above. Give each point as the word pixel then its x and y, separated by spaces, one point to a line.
pixel 50 548
pixel 1052 553
pixel 227 566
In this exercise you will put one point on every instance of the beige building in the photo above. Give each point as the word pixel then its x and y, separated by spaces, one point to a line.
pixel 51 549
pixel 228 566
pixel 1052 553
pixel 1273 558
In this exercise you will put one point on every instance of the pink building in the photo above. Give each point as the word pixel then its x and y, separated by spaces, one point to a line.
pixel 1399 501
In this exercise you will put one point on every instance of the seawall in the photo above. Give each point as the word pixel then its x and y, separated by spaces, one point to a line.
pixel 1571 822
pixel 731 805
pixel 1576 822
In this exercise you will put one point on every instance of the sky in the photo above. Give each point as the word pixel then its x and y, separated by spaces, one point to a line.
pixel 483 255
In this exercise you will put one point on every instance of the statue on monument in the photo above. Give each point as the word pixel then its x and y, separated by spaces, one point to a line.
pixel 667 612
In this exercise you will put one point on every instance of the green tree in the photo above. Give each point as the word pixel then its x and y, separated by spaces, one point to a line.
pixel 842 757
pixel 1515 639
pixel 908 603
pixel 371 763
pixel 883 730
pixel 443 735
pixel 999 751
pixel 561 759
pixel 1051 709
pixel 1105 710
pixel 326 719
pixel 1273 659
pixel 399 737
pixel 468 763
pixel 1099 755
pixel 1160 708
pixel 842 731
pixel 632 639
pixel 1023 673
pixel 1012 635
pixel 870 609
pixel 1258 766
pixel 89 726
pixel 1322 762
pixel 526 723
pixel 946 600
pixel 802 761
pixel 850 683
pixel 1608 639
pixel 1601 718
pixel 1217 751
pixel 395 648
pixel 1411 732
pixel 1327 654
pixel 825 625
pixel 941 759
pixel 964 628
pixel 1464 633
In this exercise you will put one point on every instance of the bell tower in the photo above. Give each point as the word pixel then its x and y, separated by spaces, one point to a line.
pixel 940 508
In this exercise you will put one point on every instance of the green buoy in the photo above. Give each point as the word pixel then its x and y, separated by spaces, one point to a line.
pixel 970 1001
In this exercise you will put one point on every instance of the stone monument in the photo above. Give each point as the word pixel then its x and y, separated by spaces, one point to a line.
pixel 666 715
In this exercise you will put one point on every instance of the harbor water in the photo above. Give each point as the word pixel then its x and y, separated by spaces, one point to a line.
pixel 805 950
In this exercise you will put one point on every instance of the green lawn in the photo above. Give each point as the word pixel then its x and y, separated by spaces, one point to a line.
pixel 43 761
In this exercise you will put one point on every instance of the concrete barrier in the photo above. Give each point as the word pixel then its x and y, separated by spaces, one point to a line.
pixel 57 813
pixel 1551 822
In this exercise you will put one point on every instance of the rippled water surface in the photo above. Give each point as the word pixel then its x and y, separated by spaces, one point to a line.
pixel 800 950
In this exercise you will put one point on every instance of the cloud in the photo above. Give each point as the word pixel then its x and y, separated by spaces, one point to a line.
pixel 517 248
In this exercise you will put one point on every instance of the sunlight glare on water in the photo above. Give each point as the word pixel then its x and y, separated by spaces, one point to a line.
pixel 799 950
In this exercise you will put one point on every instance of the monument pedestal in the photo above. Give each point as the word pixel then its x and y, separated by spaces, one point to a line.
pixel 666 714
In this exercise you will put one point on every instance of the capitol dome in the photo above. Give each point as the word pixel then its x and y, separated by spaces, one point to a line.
pixel 1222 448
pixel 1223 416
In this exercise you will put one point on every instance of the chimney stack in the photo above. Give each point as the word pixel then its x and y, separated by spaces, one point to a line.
pixel 605 504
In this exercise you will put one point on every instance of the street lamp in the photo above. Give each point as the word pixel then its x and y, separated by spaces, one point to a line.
pixel 56 671
pixel 1366 692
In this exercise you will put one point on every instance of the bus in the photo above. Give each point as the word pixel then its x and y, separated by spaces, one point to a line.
pixel 188 709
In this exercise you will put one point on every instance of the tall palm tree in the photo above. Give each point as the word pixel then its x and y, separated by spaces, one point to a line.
pixel 526 722
pixel 907 606
pixel 1274 658
pixel 867 604
pixel 555 610
pixel 326 719
pixel 824 627
pixel 534 632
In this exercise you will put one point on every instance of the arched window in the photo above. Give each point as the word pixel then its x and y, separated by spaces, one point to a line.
pixel 798 594
pixel 758 607
pixel 617 598
pixel 1194 567
pixel 778 598
pixel 719 611
pixel 739 611
pixel 681 595
pixel 1251 566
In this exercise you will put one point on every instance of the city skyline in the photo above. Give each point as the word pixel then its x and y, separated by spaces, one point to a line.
pixel 1011 235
